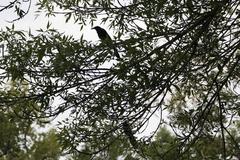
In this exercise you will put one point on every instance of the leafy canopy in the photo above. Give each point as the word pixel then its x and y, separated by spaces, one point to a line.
pixel 178 57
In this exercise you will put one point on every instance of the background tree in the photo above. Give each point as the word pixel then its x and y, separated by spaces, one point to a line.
pixel 46 147
pixel 16 132
pixel 19 139
pixel 181 57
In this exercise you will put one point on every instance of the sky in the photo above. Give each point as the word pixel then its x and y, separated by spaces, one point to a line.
pixel 36 21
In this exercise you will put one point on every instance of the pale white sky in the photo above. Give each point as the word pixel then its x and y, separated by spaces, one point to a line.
pixel 36 21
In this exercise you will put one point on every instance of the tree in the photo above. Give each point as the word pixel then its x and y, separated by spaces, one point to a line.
pixel 164 146
pixel 18 138
pixel 46 147
pixel 16 132
pixel 181 57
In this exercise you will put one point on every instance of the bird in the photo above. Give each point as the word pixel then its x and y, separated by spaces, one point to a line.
pixel 104 37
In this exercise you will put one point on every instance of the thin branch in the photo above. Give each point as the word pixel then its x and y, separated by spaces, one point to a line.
pixel 8 6
pixel 221 123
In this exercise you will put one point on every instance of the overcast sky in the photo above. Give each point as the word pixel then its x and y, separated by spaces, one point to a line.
pixel 36 21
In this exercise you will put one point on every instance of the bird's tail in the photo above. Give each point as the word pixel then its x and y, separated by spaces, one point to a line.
pixel 128 131
pixel 116 52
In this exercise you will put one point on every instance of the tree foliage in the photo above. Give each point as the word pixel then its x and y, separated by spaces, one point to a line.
pixel 18 138
pixel 180 57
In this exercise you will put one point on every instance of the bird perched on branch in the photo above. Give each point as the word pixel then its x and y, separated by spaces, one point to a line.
pixel 104 36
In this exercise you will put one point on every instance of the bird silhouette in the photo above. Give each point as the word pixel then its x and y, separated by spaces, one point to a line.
pixel 105 38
